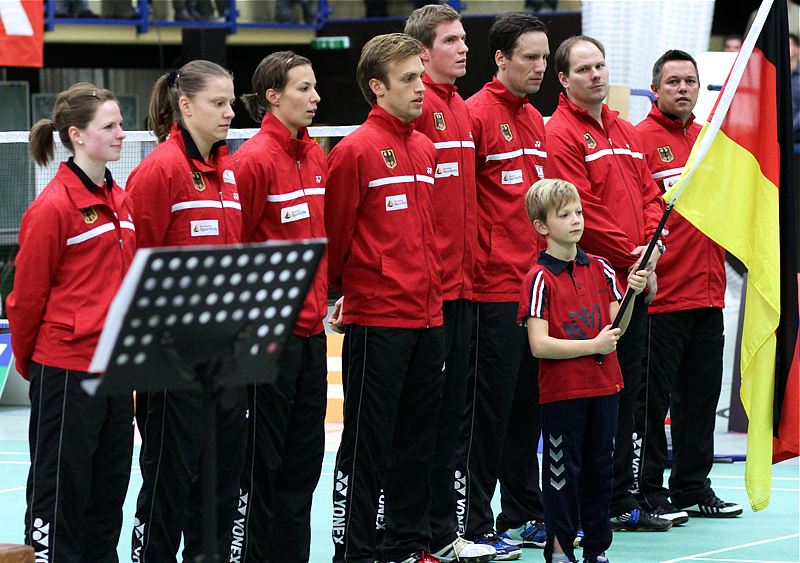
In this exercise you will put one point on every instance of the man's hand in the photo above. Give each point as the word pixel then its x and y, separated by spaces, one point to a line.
pixel 652 288
pixel 337 318
pixel 651 264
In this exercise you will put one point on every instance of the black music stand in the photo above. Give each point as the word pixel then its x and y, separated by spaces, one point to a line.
pixel 203 317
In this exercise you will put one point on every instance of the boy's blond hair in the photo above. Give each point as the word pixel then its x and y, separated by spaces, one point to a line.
pixel 549 195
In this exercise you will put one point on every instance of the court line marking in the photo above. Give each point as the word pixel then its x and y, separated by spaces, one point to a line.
pixel 744 560
pixel 12 490
pixel 742 477
pixel 696 556
pixel 744 489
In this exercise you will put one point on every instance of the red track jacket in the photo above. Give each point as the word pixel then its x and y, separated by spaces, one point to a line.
pixel 621 203
pixel 181 200
pixel 691 275
pixel 511 156
pixel 281 181
pixel 445 120
pixel 379 215
pixel 76 244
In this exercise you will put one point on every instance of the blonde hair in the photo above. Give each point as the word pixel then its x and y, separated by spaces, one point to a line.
pixel 378 54
pixel 422 23
pixel 549 195
pixel 75 106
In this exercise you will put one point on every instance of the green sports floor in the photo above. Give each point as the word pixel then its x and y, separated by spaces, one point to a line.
pixel 769 536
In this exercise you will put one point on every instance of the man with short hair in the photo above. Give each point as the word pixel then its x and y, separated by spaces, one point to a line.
pixel 590 146
pixel 446 121
pixel 685 333
pixel 382 256
pixel 501 431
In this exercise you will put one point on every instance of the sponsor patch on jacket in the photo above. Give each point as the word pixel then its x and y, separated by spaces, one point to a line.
pixel 505 129
pixel 198 181
pixel 665 153
pixel 511 177
pixel 295 213
pixel 396 202
pixel 590 142
pixel 205 228
pixel 446 169
pixel 540 171
pixel 438 121
pixel 89 215
pixel 228 177
pixel 389 158
pixel 671 181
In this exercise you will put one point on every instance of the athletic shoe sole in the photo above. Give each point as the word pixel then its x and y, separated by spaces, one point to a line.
pixel 700 511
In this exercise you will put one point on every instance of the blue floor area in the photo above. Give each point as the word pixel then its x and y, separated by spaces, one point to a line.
pixel 769 536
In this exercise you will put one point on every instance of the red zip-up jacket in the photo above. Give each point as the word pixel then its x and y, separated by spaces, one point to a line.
pixel 511 156
pixel 77 241
pixel 621 203
pixel 691 275
pixel 281 181
pixel 379 215
pixel 445 120
pixel 181 200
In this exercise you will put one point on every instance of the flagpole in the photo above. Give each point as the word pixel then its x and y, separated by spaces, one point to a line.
pixel 627 300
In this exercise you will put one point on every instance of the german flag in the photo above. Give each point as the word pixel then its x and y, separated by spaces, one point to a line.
pixel 738 188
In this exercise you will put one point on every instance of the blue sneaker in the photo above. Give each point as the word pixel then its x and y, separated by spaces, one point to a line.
pixel 530 534
pixel 504 551
pixel 578 538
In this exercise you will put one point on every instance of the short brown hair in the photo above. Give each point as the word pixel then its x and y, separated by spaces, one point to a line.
pixel 376 56
pixel 563 51
pixel 272 73
pixel 549 195
pixel 422 23
pixel 74 107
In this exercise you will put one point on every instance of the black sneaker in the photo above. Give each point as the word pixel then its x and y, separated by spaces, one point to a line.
pixel 638 520
pixel 669 512
pixel 714 508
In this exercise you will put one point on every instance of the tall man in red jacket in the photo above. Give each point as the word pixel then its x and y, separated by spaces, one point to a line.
pixel 445 120
pixel 503 420
pixel 590 146
pixel 684 355
pixel 382 256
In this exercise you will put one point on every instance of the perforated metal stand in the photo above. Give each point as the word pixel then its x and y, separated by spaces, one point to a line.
pixel 203 318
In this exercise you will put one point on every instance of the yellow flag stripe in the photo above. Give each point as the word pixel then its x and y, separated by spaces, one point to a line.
pixel 734 204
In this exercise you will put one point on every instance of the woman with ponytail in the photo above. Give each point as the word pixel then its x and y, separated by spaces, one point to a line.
pixel 281 173
pixel 185 193
pixel 77 240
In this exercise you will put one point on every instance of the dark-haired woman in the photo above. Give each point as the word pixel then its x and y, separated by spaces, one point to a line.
pixel 281 173
pixel 186 193
pixel 77 240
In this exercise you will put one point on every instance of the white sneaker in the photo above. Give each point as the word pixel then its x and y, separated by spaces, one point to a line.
pixel 464 551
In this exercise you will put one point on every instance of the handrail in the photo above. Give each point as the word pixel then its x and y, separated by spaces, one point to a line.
pixel 143 22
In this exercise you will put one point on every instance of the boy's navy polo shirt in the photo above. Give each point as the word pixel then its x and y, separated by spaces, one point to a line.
pixel 574 298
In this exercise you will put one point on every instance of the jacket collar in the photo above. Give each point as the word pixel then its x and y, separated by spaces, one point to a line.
pixel 184 140
pixel 507 96
pixel 557 266
pixel 608 116
pixel 294 146
pixel 387 121
pixel 85 193
pixel 443 91
pixel 667 120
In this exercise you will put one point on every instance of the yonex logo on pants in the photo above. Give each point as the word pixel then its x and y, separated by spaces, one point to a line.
pixel 380 518
pixel 339 508
pixel 41 538
pixel 138 540
pixel 460 486
pixel 237 533
pixel 637 461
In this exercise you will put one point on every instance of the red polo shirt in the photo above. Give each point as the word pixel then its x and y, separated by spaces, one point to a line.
pixel 573 297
